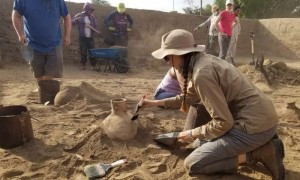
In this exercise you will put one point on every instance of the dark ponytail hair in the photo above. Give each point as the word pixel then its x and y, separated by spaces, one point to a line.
pixel 187 70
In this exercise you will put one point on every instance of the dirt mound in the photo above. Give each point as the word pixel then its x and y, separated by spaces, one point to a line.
pixel 278 72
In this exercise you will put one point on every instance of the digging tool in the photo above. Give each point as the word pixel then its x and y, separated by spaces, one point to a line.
pixel 259 64
pixel 100 170
pixel 98 32
pixel 252 34
pixel 167 138
pixel 137 108
pixel 27 53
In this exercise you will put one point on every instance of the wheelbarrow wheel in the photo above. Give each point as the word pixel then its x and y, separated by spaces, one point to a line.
pixel 121 65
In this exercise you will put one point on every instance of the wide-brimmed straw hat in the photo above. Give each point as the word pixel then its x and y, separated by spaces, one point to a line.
pixel 177 42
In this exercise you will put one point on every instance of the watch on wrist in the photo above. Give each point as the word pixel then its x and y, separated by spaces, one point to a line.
pixel 190 133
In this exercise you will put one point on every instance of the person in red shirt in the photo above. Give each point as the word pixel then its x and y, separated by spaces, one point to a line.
pixel 224 25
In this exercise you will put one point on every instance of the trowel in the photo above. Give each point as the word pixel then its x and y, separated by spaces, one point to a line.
pixel 137 108
pixel 167 138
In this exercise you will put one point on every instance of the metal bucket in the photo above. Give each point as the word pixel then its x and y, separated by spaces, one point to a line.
pixel 48 90
pixel 15 126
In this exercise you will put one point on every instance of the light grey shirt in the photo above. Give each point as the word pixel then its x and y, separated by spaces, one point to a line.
pixel 211 23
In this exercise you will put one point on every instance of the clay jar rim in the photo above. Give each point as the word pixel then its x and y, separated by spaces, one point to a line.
pixel 118 100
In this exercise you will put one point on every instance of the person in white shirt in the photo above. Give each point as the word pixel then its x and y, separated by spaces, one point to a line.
pixel 87 27
pixel 212 46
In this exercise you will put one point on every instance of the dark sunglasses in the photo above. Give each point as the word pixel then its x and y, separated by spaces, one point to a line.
pixel 166 58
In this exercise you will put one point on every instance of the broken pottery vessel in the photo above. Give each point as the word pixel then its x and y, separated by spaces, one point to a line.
pixel 118 125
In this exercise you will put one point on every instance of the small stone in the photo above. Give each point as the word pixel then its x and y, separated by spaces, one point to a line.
pixel 267 62
pixel 151 116
pixel 153 146
pixel 279 65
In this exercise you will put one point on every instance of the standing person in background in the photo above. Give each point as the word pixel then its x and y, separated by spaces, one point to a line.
pixel 43 34
pixel 213 32
pixel 87 28
pixel 224 25
pixel 168 87
pixel 117 22
pixel 236 30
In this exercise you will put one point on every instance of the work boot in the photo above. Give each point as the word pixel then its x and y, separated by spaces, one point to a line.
pixel 271 155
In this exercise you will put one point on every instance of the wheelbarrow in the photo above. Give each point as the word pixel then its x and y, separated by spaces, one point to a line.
pixel 116 58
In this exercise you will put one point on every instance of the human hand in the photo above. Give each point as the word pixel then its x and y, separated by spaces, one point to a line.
pixel 196 29
pixel 224 35
pixel 67 41
pixel 22 39
pixel 111 28
pixel 77 18
pixel 186 136
pixel 128 29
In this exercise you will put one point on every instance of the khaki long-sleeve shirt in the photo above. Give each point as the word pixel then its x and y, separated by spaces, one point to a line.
pixel 229 97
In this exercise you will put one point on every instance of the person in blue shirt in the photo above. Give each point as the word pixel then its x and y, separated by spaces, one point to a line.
pixel 87 27
pixel 117 22
pixel 42 32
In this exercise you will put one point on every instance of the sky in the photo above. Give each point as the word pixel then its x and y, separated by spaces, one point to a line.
pixel 160 5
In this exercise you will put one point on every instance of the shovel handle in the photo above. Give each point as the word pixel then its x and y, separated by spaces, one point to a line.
pixel 252 46
pixel 98 32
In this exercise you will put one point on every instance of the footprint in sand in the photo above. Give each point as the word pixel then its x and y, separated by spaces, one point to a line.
pixel 11 173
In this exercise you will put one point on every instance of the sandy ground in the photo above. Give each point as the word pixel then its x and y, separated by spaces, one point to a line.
pixel 69 137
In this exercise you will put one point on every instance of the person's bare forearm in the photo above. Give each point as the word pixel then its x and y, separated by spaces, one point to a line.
pixel 67 26
pixel 159 102
pixel 17 23
pixel 153 103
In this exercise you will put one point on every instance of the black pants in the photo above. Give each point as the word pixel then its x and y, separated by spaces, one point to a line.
pixel 85 44
pixel 197 116
pixel 212 47
pixel 224 42
pixel 121 39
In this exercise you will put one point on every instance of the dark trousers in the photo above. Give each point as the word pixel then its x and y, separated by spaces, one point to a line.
pixel 224 42
pixel 121 39
pixel 212 45
pixel 197 116
pixel 85 44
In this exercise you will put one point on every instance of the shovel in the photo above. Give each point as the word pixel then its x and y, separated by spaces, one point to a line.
pixel 167 138
pixel 100 170
pixel 137 108
pixel 27 53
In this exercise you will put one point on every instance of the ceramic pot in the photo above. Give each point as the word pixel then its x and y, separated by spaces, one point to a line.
pixel 118 125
